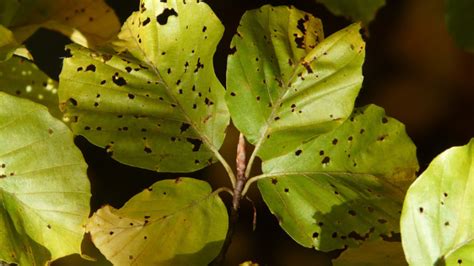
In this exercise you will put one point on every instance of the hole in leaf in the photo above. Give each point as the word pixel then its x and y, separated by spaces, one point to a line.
pixel 163 17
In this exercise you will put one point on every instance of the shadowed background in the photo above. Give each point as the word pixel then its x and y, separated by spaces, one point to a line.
pixel 413 69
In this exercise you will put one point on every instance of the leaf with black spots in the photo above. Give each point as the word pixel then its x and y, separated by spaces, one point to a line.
pixel 153 111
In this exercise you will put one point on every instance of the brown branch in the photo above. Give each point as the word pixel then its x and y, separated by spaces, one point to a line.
pixel 241 164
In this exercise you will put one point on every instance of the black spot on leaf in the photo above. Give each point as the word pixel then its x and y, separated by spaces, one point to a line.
pixel 232 94
pixel 131 96
pixel 382 221
pixel 102 82
pixel 196 143
pixel 421 209
pixel 287 190
pixel 274 181
pixel 198 65
pixel 352 212
pixel 147 150
pixel 119 81
pixel 129 69
pixel 163 17
pixel 326 160
pixel 334 141
pixel 204 29
pixel 208 102
pixel 90 67
pixel 315 235
pixel 384 120
pixel 72 101
pixel 146 21
pixel 184 127
pixel 298 152
pixel 308 67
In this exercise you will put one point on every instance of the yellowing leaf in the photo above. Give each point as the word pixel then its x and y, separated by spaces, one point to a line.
pixel 437 220
pixel 174 222
pixel 44 190
pixel 87 22
pixel 286 83
pixel 333 191
pixel 21 77
pixel 158 103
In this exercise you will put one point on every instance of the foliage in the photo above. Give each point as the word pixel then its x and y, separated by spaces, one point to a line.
pixel 44 199
pixel 335 176
pixel 437 215
pixel 358 10
pixel 182 217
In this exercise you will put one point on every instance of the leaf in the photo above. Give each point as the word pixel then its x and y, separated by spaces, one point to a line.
pixel 345 186
pixel 358 10
pixel 174 222
pixel 160 108
pixel 459 20
pixel 88 22
pixel 285 83
pixel 44 190
pixel 374 253
pixel 8 43
pixel 21 77
pixel 437 214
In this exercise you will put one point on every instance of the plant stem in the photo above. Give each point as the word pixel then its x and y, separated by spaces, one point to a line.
pixel 236 197
pixel 253 180
pixel 227 168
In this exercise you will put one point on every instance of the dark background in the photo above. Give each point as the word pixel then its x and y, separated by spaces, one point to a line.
pixel 413 69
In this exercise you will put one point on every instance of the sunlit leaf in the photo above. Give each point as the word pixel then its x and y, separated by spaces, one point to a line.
pixel 460 21
pixel 20 77
pixel 345 186
pixel 8 44
pixel 437 220
pixel 285 84
pixel 357 10
pixel 160 108
pixel 173 222
pixel 44 190
pixel 87 22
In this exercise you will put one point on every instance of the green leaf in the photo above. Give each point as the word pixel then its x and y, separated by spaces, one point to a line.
pixel 161 107
pixel 436 222
pixel 358 10
pixel 285 83
pixel 8 43
pixel 44 190
pixel 460 20
pixel 88 22
pixel 345 186
pixel 174 222
pixel 373 253
pixel 21 77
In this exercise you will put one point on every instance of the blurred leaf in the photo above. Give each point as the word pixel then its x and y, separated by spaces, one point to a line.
pixel 44 188
pixel 285 84
pixel 20 77
pixel 357 10
pixel 437 224
pixel 345 186
pixel 8 43
pixel 174 222
pixel 374 253
pixel 460 22
pixel 162 107
pixel 87 22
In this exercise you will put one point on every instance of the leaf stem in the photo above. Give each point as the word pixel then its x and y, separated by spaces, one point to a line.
pixel 253 180
pixel 227 168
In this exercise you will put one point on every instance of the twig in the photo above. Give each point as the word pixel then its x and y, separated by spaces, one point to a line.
pixel 236 197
